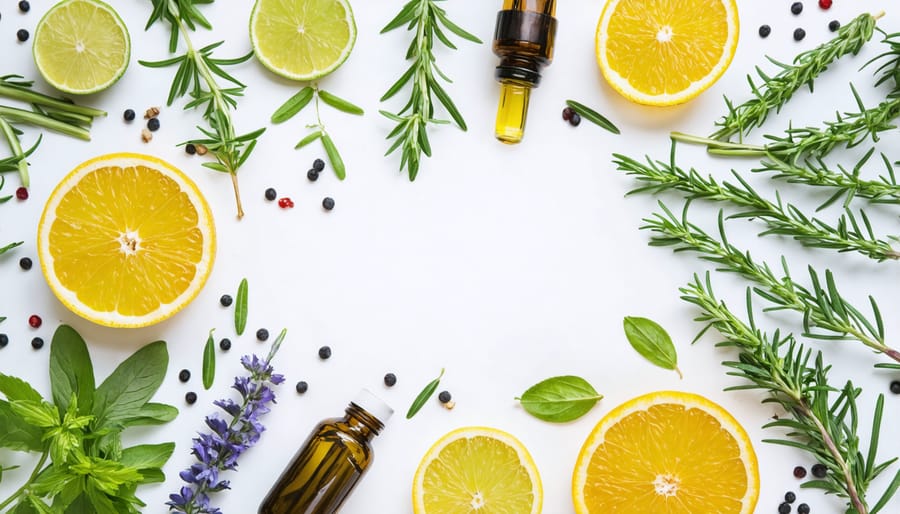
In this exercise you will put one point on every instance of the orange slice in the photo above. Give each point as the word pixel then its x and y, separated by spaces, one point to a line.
pixel 126 240
pixel 666 453
pixel 665 52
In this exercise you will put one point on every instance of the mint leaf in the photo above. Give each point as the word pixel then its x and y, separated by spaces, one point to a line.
pixel 16 433
pixel 151 414
pixel 40 414
pixel 130 386
pixel 17 389
pixel 147 455
pixel 560 399
pixel 71 370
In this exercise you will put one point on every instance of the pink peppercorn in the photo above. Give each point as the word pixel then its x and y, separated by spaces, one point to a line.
pixel 22 193
pixel 825 4
pixel 34 321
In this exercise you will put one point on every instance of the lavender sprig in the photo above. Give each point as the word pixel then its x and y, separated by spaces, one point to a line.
pixel 218 450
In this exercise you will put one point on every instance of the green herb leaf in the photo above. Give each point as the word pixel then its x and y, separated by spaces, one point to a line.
pixel 560 399
pixel 209 361
pixel 308 139
pixel 122 395
pixel 340 104
pixel 16 433
pixel 147 455
pixel 337 164
pixel 423 397
pixel 71 371
pixel 593 116
pixel 294 105
pixel 17 389
pixel 240 308
pixel 151 414
pixel 652 342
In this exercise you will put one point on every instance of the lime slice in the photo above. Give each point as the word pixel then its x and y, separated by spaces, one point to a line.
pixel 81 46
pixel 302 39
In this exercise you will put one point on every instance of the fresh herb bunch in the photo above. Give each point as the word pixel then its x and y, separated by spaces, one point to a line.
pixel 775 91
pixel 300 100
pixel 79 431
pixel 46 112
pixel 827 315
pixel 428 21
pixel 820 423
pixel 850 234
pixel 220 449
pixel 196 77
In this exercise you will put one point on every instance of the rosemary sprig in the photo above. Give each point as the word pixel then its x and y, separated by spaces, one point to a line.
pixel 196 77
pixel 775 91
pixel 850 234
pixel 429 21
pixel 300 100
pixel 47 112
pixel 827 315
pixel 818 424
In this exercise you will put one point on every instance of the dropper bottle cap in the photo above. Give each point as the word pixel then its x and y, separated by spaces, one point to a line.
pixel 374 405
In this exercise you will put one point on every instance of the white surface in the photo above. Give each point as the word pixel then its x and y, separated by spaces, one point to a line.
pixel 505 265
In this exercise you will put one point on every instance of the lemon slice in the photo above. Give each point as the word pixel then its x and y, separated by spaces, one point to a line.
pixel 666 453
pixel 477 469
pixel 302 39
pixel 81 46
pixel 126 240
pixel 665 52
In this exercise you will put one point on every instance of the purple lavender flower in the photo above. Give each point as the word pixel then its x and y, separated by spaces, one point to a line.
pixel 219 449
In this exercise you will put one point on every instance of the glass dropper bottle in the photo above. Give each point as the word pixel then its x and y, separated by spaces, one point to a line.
pixel 523 39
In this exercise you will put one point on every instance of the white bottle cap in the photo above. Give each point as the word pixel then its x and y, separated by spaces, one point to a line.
pixel 373 405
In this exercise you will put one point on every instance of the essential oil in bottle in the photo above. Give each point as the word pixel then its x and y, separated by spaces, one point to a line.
pixel 523 39
pixel 331 462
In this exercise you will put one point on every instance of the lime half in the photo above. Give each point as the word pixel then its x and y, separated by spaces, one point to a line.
pixel 302 39
pixel 81 46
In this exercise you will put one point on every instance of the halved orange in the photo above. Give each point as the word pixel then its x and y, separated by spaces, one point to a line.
pixel 667 453
pixel 126 240
pixel 665 52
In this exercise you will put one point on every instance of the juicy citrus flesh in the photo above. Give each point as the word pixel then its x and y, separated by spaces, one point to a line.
pixel 126 240
pixel 664 52
pixel 667 453
pixel 81 46
pixel 477 470
pixel 302 39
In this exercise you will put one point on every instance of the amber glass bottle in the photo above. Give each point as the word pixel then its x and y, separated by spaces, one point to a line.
pixel 331 462
pixel 523 39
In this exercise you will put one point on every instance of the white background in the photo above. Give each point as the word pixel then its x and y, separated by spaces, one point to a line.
pixel 503 264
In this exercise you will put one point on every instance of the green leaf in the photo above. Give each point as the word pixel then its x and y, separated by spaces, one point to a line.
pixel 293 105
pixel 423 397
pixel 308 139
pixel 240 308
pixel 40 414
pixel 151 414
pixel 16 433
pixel 337 164
pixel 71 371
pixel 593 116
pixel 147 455
pixel 652 342
pixel 340 104
pixel 560 399
pixel 209 361
pixel 152 476
pixel 24 507
pixel 130 386
pixel 17 389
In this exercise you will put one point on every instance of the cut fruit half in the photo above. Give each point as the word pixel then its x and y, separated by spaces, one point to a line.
pixel 81 46
pixel 666 453
pixel 126 240
pixel 302 39
pixel 477 470
pixel 665 52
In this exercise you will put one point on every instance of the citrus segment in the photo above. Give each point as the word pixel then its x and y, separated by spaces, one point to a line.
pixel 81 46
pixel 665 52
pixel 126 240
pixel 477 470
pixel 668 453
pixel 302 39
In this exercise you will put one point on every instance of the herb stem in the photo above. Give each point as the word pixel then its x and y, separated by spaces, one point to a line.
pixel 26 95
pixel 857 503
pixel 16 148
pixel 37 470
pixel 44 121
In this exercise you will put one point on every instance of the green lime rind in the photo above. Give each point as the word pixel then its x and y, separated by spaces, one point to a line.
pixel 48 74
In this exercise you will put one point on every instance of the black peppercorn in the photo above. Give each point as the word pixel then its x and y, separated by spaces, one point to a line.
pixel 226 300
pixel 328 203
pixel 312 175
pixel 764 31
pixel 797 7
pixel 262 334
pixel 390 380
pixel 799 472
pixel 575 120
pixel 190 398
pixel 318 165
pixel 325 352
pixel 22 35
pixel 790 497
pixel 24 6
pixel 37 343
pixel 271 194
pixel 25 263
pixel 153 124
pixel 803 509
pixel 225 344
pixel 445 396
pixel 819 471
pixel 784 508
pixel 834 25
pixel 184 375
pixel 4 340
pixel 799 34
pixel 190 148
pixel 895 387
pixel 128 115
pixel 301 387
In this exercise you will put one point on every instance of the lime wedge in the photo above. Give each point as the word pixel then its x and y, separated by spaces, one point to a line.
pixel 81 46
pixel 302 39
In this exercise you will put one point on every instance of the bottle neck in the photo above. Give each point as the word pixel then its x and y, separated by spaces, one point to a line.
pixel 361 422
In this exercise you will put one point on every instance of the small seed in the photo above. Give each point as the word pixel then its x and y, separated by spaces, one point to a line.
pixel 301 387
pixel 318 165
pixel 184 375
pixel 790 497
pixel 784 508
pixel 834 25
pixel 153 124
pixel 22 193
pixel 797 7
pixel 575 120
pixel 799 34
pixel 190 149
pixel 225 344
pixel 312 175
pixel 800 472
pixel 25 263
pixel 190 398
pixel 4 340
pixel 390 380
pixel 262 334
pixel 35 321
pixel 151 113
pixel 271 194
pixel 895 387
pixel 328 203
pixel 24 6
pixel 764 31
pixel 325 352
pixel 819 471
pixel 449 405
pixel 128 114
pixel 803 509
pixel 201 149
pixel 37 343
pixel 146 135
pixel 22 35
pixel 225 300
pixel 825 4
pixel 567 113
pixel 445 396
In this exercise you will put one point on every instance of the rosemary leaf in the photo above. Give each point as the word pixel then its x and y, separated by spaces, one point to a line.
pixel 309 139
pixel 337 164
pixel 209 361
pixel 294 105
pixel 339 103
pixel 593 116
pixel 240 308
pixel 423 397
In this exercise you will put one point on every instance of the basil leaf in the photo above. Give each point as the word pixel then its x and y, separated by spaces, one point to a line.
pixel 593 116
pixel 423 397
pixel 560 399
pixel 652 342
pixel 340 104
pixel 16 433
pixel 17 389
pixel 130 386
pixel 152 476
pixel 337 164
pixel 294 105
pixel 151 414
pixel 147 455
pixel 240 308
pixel 209 361
pixel 71 371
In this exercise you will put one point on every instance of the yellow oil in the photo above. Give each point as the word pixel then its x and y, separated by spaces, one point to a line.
pixel 512 112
